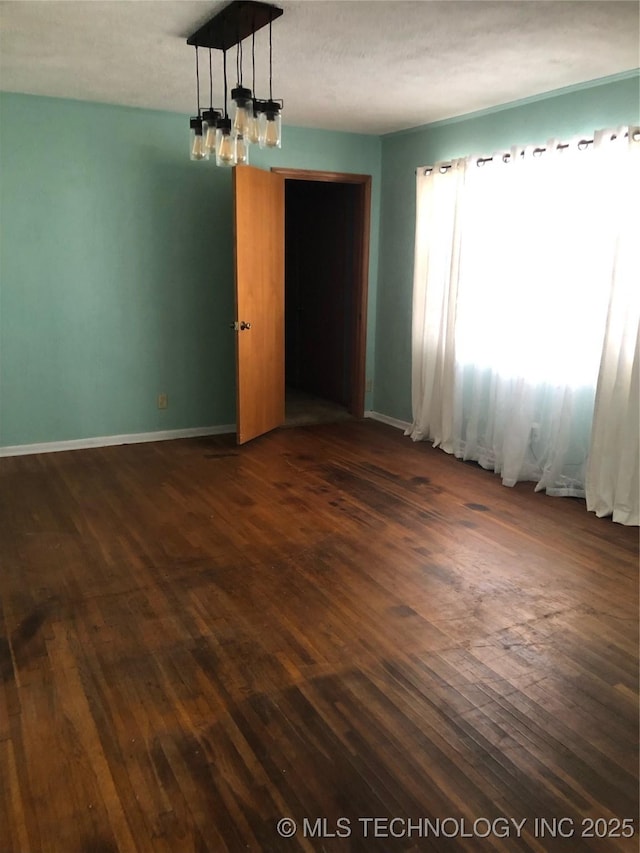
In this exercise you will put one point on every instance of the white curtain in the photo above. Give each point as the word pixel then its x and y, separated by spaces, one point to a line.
pixel 612 482
pixel 438 206
pixel 517 265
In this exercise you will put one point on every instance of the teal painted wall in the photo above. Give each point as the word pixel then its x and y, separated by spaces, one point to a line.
pixel 564 114
pixel 116 268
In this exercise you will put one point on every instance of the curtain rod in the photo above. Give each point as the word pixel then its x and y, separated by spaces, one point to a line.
pixel 582 145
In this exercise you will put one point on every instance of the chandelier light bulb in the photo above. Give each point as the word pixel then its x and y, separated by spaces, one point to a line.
pixel 242 151
pixel 272 137
pixel 241 110
pixel 210 140
pixel 225 153
pixel 271 125
pixel 254 131
pixel 209 120
pixel 254 124
pixel 225 144
pixel 198 150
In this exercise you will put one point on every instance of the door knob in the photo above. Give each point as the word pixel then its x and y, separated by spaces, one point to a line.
pixel 239 326
pixel 244 326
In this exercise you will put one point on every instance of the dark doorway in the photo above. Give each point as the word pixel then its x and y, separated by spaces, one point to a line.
pixel 326 272
pixel 319 273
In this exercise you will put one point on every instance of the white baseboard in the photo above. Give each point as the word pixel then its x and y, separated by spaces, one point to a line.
pixel 109 440
pixel 143 437
pixel 385 419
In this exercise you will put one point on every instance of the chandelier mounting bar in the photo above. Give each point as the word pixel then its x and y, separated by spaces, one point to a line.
pixel 235 22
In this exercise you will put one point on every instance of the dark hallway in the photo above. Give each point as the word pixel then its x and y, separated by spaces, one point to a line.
pixel 320 265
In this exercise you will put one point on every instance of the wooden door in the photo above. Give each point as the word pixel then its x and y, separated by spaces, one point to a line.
pixel 259 262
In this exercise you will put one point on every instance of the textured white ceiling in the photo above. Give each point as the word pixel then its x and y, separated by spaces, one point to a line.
pixel 355 65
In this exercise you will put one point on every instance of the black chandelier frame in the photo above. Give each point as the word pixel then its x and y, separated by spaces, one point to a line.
pixel 234 24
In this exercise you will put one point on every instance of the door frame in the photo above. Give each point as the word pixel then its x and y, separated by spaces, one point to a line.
pixel 361 278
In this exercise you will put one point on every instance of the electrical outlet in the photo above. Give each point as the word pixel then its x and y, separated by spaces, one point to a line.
pixel 163 401
pixel 369 385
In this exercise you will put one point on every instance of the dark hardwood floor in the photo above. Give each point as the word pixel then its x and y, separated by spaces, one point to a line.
pixel 197 640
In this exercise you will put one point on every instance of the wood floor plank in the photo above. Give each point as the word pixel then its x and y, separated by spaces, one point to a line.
pixel 331 622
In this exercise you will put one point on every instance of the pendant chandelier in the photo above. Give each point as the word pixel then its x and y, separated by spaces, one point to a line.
pixel 228 132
